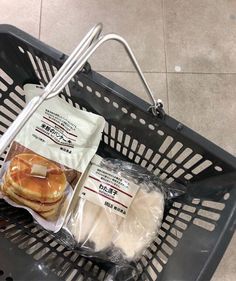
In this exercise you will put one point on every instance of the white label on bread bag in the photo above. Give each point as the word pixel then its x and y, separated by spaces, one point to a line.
pixel 63 133
pixel 108 190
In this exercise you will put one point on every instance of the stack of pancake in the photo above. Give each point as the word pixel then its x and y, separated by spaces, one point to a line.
pixel 40 189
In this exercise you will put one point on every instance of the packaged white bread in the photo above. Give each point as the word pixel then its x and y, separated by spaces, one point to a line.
pixel 48 157
pixel 118 212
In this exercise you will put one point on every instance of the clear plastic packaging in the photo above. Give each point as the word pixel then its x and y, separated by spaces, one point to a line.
pixel 117 211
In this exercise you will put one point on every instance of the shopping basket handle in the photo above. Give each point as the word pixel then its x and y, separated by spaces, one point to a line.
pixel 156 107
pixel 72 65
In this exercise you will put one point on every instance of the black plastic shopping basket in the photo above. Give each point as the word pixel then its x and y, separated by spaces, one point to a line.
pixel 197 227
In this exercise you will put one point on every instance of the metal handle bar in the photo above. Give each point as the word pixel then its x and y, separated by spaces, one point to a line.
pixel 32 106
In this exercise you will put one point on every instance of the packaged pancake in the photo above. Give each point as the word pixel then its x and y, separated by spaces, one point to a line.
pixel 46 160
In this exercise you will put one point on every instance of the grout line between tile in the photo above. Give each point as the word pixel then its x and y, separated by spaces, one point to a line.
pixel 168 72
pixel 40 18
pixel 207 73
pixel 164 40
pixel 124 71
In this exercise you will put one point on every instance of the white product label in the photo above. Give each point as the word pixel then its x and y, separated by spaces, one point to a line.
pixel 62 133
pixel 108 190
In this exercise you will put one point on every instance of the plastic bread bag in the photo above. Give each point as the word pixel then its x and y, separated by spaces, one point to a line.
pixel 47 158
pixel 118 210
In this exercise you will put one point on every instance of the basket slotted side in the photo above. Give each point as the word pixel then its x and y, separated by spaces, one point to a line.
pixel 164 147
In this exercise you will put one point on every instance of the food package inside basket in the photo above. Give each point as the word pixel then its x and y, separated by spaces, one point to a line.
pixel 48 157
pixel 118 210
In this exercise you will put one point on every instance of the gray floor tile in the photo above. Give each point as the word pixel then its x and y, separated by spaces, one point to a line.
pixel 65 22
pixel 131 82
pixel 23 14
pixel 200 35
pixel 207 104
pixel 226 270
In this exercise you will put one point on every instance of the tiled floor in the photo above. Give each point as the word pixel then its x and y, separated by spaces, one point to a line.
pixel 187 49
